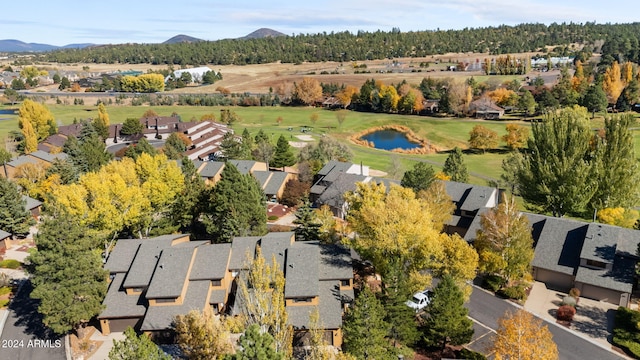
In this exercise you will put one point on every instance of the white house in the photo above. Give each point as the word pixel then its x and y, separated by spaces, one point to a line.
pixel 196 73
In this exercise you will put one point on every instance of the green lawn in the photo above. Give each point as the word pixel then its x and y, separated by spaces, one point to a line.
pixel 445 133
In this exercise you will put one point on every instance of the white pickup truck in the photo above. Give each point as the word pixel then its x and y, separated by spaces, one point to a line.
pixel 420 300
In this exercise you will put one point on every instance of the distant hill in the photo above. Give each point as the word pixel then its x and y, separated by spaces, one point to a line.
pixel 11 45
pixel 182 39
pixel 263 33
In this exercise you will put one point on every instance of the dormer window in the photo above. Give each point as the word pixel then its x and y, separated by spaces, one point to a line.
pixel 303 300
pixel 596 264
pixel 216 282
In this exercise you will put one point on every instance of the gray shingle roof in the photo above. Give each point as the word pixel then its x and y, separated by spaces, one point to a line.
pixel 144 263
pixel 620 278
pixel 43 155
pixel 333 165
pixel 470 235
pixel 210 262
pixel 122 255
pixel 119 304
pixel 470 197
pixel 275 245
pixel 334 193
pixel 558 243
pixel 600 243
pixel 329 307
pixel 4 234
pixel 211 169
pixel 240 247
pixel 262 177
pixel 628 241
pixel 161 317
pixel 244 166
pixel 217 296
pixel 302 271
pixel 275 183
pixel 170 273
pixel 31 203
pixel 21 160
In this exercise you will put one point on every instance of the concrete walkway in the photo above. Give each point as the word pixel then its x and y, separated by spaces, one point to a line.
pixel 107 343
pixel 593 320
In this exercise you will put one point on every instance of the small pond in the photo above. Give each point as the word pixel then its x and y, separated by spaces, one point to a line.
pixel 389 140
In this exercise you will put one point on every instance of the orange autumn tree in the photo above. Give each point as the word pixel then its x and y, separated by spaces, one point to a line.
pixel 612 82
pixel 521 336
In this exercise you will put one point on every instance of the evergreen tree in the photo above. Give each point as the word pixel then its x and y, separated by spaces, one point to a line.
pixel 14 217
pixel 556 174
pixel 246 146
pixel 73 148
pixel 283 155
pixel 595 99
pixel 401 318
pixel 131 126
pixel 141 147
pixel 236 206
pixel 365 330
pixel 186 209
pixel 527 103
pixel 308 225
pixel 65 169
pixel 174 146
pixel 617 167
pixel 231 146
pixel 629 96
pixel 255 345
pixel 419 178
pixel 134 347
pixel 67 275
pixel 455 168
pixel 447 322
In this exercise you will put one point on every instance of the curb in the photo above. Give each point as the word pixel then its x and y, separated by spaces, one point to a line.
pixel 67 347
pixel 546 321
pixel 5 315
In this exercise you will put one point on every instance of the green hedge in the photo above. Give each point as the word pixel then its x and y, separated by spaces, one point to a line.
pixel 470 355
pixel 625 331
pixel 5 290
pixel 493 282
pixel 10 264
pixel 4 303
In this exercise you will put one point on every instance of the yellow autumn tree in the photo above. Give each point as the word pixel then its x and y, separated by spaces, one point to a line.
pixel 122 194
pixel 502 96
pixel 627 72
pixel 578 80
pixel 30 137
pixel 521 336
pixel 261 299
pixel 345 95
pixel 201 335
pixel 308 91
pixel 458 260
pixel 103 116
pixel 516 136
pixel 393 224
pixel 39 116
pixel 438 202
pixel 612 82
pixel 619 217
pixel 389 98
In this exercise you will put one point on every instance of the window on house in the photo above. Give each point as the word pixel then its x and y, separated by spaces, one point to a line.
pixel 597 264
pixel 165 301
pixel 302 300
pixel 345 282
pixel 216 282
pixel 215 308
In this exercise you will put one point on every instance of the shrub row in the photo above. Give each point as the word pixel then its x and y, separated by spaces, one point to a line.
pixel 625 331
pixel 10 264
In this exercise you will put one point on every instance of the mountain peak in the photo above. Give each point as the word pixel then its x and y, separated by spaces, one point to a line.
pixel 263 33
pixel 182 39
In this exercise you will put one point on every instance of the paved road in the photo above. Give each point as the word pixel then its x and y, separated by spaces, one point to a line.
pixel 485 309
pixel 24 337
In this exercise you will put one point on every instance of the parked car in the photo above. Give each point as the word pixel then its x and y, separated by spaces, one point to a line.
pixel 420 300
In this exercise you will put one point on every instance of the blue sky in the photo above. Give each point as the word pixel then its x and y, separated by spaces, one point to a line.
pixel 117 21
